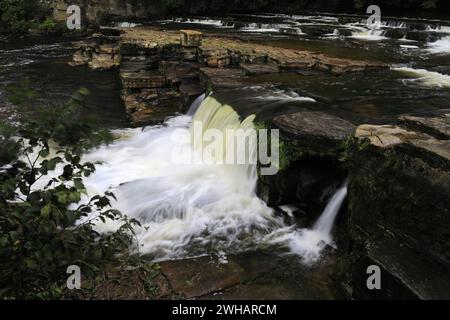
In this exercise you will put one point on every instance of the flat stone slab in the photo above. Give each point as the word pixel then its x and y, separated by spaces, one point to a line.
pixel 222 78
pixel 255 69
pixel 257 275
pixel 200 276
pixel 312 123
pixel 438 127
pixel 427 280
pixel 287 59
pixel 143 79
pixel 385 136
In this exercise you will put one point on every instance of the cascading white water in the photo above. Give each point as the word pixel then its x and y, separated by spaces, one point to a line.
pixel 326 220
pixel 441 46
pixel 424 78
pixel 309 243
pixel 369 35
pixel 196 104
pixel 193 208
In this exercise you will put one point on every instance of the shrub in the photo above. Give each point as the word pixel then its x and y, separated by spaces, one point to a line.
pixel 44 229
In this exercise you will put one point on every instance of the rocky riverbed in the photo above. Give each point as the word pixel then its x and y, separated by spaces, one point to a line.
pixel 371 109
pixel 397 212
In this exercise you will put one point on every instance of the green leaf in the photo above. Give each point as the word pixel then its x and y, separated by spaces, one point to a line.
pixel 46 210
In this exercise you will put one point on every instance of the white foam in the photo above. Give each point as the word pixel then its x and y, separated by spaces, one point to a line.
pixel 210 22
pixel 441 46
pixel 425 78
pixel 440 29
pixel 369 35
pixel 186 209
pixel 405 46
pixel 127 24
pixel 274 94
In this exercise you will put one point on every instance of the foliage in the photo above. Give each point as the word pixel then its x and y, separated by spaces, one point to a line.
pixel 397 4
pixel 220 7
pixel 49 24
pixel 44 227
pixel 17 16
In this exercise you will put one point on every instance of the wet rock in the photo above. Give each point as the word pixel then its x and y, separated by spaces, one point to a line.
pixel 308 171
pixel 221 78
pixel 99 53
pixel 190 89
pixel 386 136
pixel 405 273
pixel 189 54
pixel 175 72
pixel 130 64
pixel 345 32
pixel 80 58
pixel 290 279
pixel 191 38
pixel 104 61
pixel 417 26
pixel 171 52
pixel 151 106
pixel 317 30
pixel 252 275
pixel 423 36
pixel 310 124
pixel 200 276
pixel 396 33
pixel 255 69
pixel 398 213
pixel 143 79
pixel 438 127
pixel 138 49
pixel 219 58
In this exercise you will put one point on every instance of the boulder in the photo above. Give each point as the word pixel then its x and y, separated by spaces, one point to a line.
pixel 221 78
pixel 151 106
pixel 143 79
pixel 255 69
pixel 314 125
pixel 191 38
pixel 309 171
pixel 398 216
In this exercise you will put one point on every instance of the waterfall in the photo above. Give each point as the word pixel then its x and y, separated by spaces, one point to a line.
pixel 326 220
pixel 199 207
pixel 186 208
pixel 196 104
pixel 222 122
pixel 309 243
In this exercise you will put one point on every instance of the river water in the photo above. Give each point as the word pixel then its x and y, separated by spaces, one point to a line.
pixel 193 210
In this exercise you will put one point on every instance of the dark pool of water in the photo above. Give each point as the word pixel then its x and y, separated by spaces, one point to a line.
pixel 42 64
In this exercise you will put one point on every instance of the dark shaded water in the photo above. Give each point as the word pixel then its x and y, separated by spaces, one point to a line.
pixel 42 64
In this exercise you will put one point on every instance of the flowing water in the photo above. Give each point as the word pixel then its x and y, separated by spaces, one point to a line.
pixel 41 65
pixel 195 207
pixel 192 208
